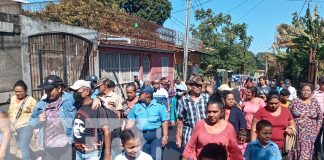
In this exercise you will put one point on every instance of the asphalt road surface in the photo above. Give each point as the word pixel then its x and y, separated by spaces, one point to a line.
pixel 171 152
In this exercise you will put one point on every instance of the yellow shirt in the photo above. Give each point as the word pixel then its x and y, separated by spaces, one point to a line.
pixel 112 101
pixel 25 114
pixel 285 105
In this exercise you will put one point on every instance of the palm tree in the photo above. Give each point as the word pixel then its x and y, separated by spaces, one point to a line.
pixel 304 33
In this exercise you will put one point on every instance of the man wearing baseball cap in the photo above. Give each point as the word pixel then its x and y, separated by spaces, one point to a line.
pixel 54 116
pixel 88 139
pixel 149 116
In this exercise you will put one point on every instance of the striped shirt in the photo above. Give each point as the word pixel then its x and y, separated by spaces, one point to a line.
pixel 319 96
pixel 191 112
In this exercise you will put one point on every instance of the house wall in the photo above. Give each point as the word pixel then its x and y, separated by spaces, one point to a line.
pixel 194 60
pixel 155 59
pixel 31 26
pixel 11 62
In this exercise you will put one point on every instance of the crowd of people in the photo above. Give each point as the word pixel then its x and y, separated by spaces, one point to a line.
pixel 89 120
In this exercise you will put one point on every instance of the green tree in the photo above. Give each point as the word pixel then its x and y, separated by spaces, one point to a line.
pixel 226 42
pixel 157 11
pixel 303 41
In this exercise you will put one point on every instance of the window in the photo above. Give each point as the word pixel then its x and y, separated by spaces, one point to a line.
pixel 165 66
pixel 146 68
pixel 120 68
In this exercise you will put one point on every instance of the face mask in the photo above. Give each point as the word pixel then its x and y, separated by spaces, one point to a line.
pixel 77 97
pixel 179 93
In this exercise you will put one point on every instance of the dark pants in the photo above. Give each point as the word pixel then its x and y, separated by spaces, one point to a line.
pixel 318 143
pixel 59 153
pixel 153 144
pixel 23 138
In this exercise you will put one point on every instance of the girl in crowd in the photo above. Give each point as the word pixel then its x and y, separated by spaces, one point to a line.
pixel 251 105
pixel 241 140
pixel 308 116
pixel 213 129
pixel 20 109
pixel 233 114
pixel 280 118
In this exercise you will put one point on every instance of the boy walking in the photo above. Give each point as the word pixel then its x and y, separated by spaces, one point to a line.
pixel 262 148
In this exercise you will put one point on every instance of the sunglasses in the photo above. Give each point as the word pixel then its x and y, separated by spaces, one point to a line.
pixel 179 90
pixel 155 82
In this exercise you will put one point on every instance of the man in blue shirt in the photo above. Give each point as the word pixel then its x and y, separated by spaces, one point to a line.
pixel 149 116
pixel 262 148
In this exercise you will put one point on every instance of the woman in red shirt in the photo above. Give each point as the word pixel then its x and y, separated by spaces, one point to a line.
pixel 279 117
pixel 213 129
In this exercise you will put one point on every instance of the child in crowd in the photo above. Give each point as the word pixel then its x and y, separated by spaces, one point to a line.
pixel 213 151
pixel 263 147
pixel 131 145
pixel 241 140
pixel 284 98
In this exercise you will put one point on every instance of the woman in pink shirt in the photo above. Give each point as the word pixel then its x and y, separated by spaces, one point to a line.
pixel 213 129
pixel 251 105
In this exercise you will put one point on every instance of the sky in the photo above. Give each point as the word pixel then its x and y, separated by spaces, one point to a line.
pixel 261 16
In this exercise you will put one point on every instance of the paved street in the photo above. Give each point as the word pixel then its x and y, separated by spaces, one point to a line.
pixel 171 152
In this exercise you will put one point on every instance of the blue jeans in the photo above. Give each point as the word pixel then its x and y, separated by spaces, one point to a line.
pixel 23 138
pixel 95 155
pixel 153 144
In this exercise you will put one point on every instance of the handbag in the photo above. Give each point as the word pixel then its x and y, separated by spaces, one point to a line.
pixel 290 141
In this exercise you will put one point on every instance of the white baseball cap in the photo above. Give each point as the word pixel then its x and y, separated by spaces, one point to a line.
pixel 80 83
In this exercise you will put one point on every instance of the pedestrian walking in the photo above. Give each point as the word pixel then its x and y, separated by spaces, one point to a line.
pixel 251 105
pixel 291 89
pixel 111 100
pixel 262 147
pixel 131 145
pixel 319 96
pixel 308 117
pixel 191 108
pixel 233 114
pixel 151 118
pixel 54 117
pixel 4 134
pixel 213 129
pixel 160 94
pixel 91 128
pixel 280 118
pixel 20 109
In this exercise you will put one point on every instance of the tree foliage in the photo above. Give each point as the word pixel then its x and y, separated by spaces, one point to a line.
pixel 158 10
pixel 226 42
pixel 304 35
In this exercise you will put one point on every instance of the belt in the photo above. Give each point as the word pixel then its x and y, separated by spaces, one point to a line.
pixel 150 131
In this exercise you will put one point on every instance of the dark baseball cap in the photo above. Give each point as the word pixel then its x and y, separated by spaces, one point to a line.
pixel 146 89
pixel 52 81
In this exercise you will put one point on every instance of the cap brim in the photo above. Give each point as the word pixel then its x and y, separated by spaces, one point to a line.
pixel 75 87
pixel 46 87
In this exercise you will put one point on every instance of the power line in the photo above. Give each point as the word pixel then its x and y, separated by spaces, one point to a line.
pixel 191 7
pixel 302 8
pixel 178 21
pixel 254 7
pixel 236 6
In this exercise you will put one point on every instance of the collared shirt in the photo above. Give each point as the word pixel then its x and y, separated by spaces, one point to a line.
pixel 112 97
pixel 255 151
pixel 191 112
pixel 319 96
pixel 161 95
pixel 148 117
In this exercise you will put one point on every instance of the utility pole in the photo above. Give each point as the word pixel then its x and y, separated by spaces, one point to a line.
pixel 186 44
